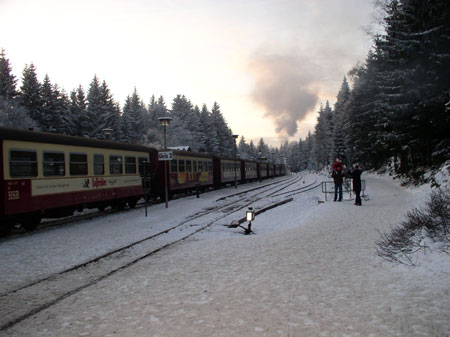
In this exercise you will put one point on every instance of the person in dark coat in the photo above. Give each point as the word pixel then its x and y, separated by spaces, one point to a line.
pixel 338 178
pixel 355 173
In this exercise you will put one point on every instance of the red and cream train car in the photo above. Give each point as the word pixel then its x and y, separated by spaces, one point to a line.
pixel 51 175
pixel 185 172
pixel 45 175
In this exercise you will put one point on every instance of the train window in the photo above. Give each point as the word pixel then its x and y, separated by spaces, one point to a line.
pixel 209 166
pixel 23 163
pixel 195 166
pixel 200 166
pixel 54 164
pixel 99 164
pixel 115 165
pixel 188 166
pixel 181 167
pixel 173 166
pixel 78 164
pixel 130 165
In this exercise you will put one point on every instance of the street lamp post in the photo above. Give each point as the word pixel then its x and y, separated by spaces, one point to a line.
pixel 165 121
pixel 107 132
pixel 260 165
pixel 235 154
pixel 273 163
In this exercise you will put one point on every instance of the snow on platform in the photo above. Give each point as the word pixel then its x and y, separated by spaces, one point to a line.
pixel 310 270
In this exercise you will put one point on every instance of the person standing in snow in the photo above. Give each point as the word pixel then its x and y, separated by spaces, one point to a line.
pixel 355 173
pixel 337 164
pixel 338 178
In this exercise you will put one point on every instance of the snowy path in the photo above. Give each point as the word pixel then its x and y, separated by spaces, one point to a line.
pixel 318 277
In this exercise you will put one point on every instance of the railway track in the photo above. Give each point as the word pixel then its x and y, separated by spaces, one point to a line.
pixel 227 206
pixel 30 299
pixel 95 214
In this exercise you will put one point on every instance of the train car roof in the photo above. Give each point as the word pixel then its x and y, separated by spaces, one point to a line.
pixel 54 138
pixel 190 153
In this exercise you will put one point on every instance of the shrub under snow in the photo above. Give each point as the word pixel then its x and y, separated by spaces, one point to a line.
pixel 424 230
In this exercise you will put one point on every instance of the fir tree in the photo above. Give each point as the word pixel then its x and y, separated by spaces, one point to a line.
pixel 30 93
pixel 323 137
pixel 133 118
pixel 53 107
pixel 340 124
pixel 77 112
pixel 7 80
pixel 13 115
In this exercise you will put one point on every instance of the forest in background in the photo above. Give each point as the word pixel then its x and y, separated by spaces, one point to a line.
pixel 396 111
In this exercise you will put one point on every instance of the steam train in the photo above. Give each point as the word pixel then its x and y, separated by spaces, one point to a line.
pixel 51 175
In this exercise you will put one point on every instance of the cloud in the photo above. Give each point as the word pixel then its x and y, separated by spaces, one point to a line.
pixel 283 87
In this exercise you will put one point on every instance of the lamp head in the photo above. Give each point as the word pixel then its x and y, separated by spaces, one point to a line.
pixel 250 214
pixel 164 121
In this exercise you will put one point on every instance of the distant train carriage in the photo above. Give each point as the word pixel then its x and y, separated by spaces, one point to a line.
pixel 226 171
pixel 271 170
pixel 185 171
pixel 47 175
pixel 282 170
pixel 277 170
pixel 263 170
pixel 249 170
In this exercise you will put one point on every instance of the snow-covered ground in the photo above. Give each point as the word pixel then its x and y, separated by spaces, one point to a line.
pixel 310 270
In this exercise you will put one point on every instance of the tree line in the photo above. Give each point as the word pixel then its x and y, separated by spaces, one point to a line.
pixel 45 107
pixel 396 112
pixel 398 109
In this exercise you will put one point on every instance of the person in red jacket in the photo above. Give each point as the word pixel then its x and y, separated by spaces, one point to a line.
pixel 337 164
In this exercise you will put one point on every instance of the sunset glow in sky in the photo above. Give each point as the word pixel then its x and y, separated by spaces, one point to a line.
pixel 268 63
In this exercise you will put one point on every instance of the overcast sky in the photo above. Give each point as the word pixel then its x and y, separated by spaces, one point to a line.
pixel 268 63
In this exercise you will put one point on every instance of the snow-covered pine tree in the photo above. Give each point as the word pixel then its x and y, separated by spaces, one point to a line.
pixel 207 140
pixel 197 131
pixel 8 81
pixel 110 114
pixel 263 149
pixel 133 119
pixel 93 110
pixel 156 109
pixel 77 112
pixel 54 107
pixel 367 115
pixel 102 112
pixel 340 138
pixel 252 152
pixel 416 59
pixel 30 93
pixel 179 132
pixel 323 137
pixel 243 149
pixel 224 136
pixel 12 114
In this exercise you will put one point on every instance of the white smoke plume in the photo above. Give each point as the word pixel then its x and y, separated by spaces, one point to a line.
pixel 283 86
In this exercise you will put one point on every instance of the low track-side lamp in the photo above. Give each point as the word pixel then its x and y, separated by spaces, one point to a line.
pixel 250 215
